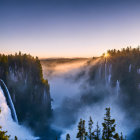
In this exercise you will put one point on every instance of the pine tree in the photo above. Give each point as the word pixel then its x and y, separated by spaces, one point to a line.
pixel 109 127
pixel 3 135
pixel 67 137
pixel 121 137
pixel 81 130
pixel 116 136
pixel 97 132
pixel 90 124
pixel 16 138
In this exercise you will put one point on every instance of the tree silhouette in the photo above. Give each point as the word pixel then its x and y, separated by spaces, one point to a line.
pixel 97 132
pixel 16 138
pixel 81 130
pixel 90 124
pixel 109 127
pixel 67 137
pixel 108 132
pixel 121 137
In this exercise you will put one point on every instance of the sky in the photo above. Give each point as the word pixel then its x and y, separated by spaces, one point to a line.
pixel 68 28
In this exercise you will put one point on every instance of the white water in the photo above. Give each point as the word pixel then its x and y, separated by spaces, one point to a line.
pixel 117 87
pixel 8 124
pixel 11 103
pixel 108 75
pixel 130 66
pixel 44 96
pixel 138 71
pixel 99 71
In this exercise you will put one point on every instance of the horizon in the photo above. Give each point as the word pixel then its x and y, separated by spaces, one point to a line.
pixel 68 57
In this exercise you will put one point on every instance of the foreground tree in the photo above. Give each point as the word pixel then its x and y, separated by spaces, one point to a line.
pixel 16 138
pixel 108 132
pixel 67 137
pixel 97 132
pixel 90 126
pixel 109 127
pixel 121 137
pixel 3 135
pixel 81 130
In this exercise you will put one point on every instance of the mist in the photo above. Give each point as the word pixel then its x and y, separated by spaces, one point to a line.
pixel 82 92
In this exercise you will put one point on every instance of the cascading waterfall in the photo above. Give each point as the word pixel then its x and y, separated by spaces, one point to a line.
pixel 99 71
pixel 138 70
pixel 9 100
pixel 44 96
pixel 8 124
pixel 109 75
pixel 117 87
pixel 130 66
pixel 105 73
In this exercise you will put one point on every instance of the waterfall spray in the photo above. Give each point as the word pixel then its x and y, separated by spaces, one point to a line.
pixel 9 101
pixel 108 69
pixel 8 124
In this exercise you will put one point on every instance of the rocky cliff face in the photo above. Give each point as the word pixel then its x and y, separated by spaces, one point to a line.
pixel 29 91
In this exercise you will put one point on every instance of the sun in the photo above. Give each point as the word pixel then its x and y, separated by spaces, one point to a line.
pixel 106 55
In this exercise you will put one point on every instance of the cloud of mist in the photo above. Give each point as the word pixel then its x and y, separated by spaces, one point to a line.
pixel 84 93
pixel 88 102
pixel 54 68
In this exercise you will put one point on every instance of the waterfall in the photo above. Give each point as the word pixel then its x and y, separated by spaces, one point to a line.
pixel 9 101
pixel 130 66
pixel 8 124
pixel 105 73
pixel 99 71
pixel 138 70
pixel 44 96
pixel 108 70
pixel 109 75
pixel 117 87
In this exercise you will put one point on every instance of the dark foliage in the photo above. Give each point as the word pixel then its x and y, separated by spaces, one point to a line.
pixel 109 127
pixel 81 135
pixel 108 132
pixel 67 137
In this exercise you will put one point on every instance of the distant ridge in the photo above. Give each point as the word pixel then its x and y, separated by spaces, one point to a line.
pixel 64 60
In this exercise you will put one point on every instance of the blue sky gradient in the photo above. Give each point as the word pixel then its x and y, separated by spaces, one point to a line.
pixel 68 28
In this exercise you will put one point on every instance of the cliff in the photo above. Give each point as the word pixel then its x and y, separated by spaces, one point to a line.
pixel 29 91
